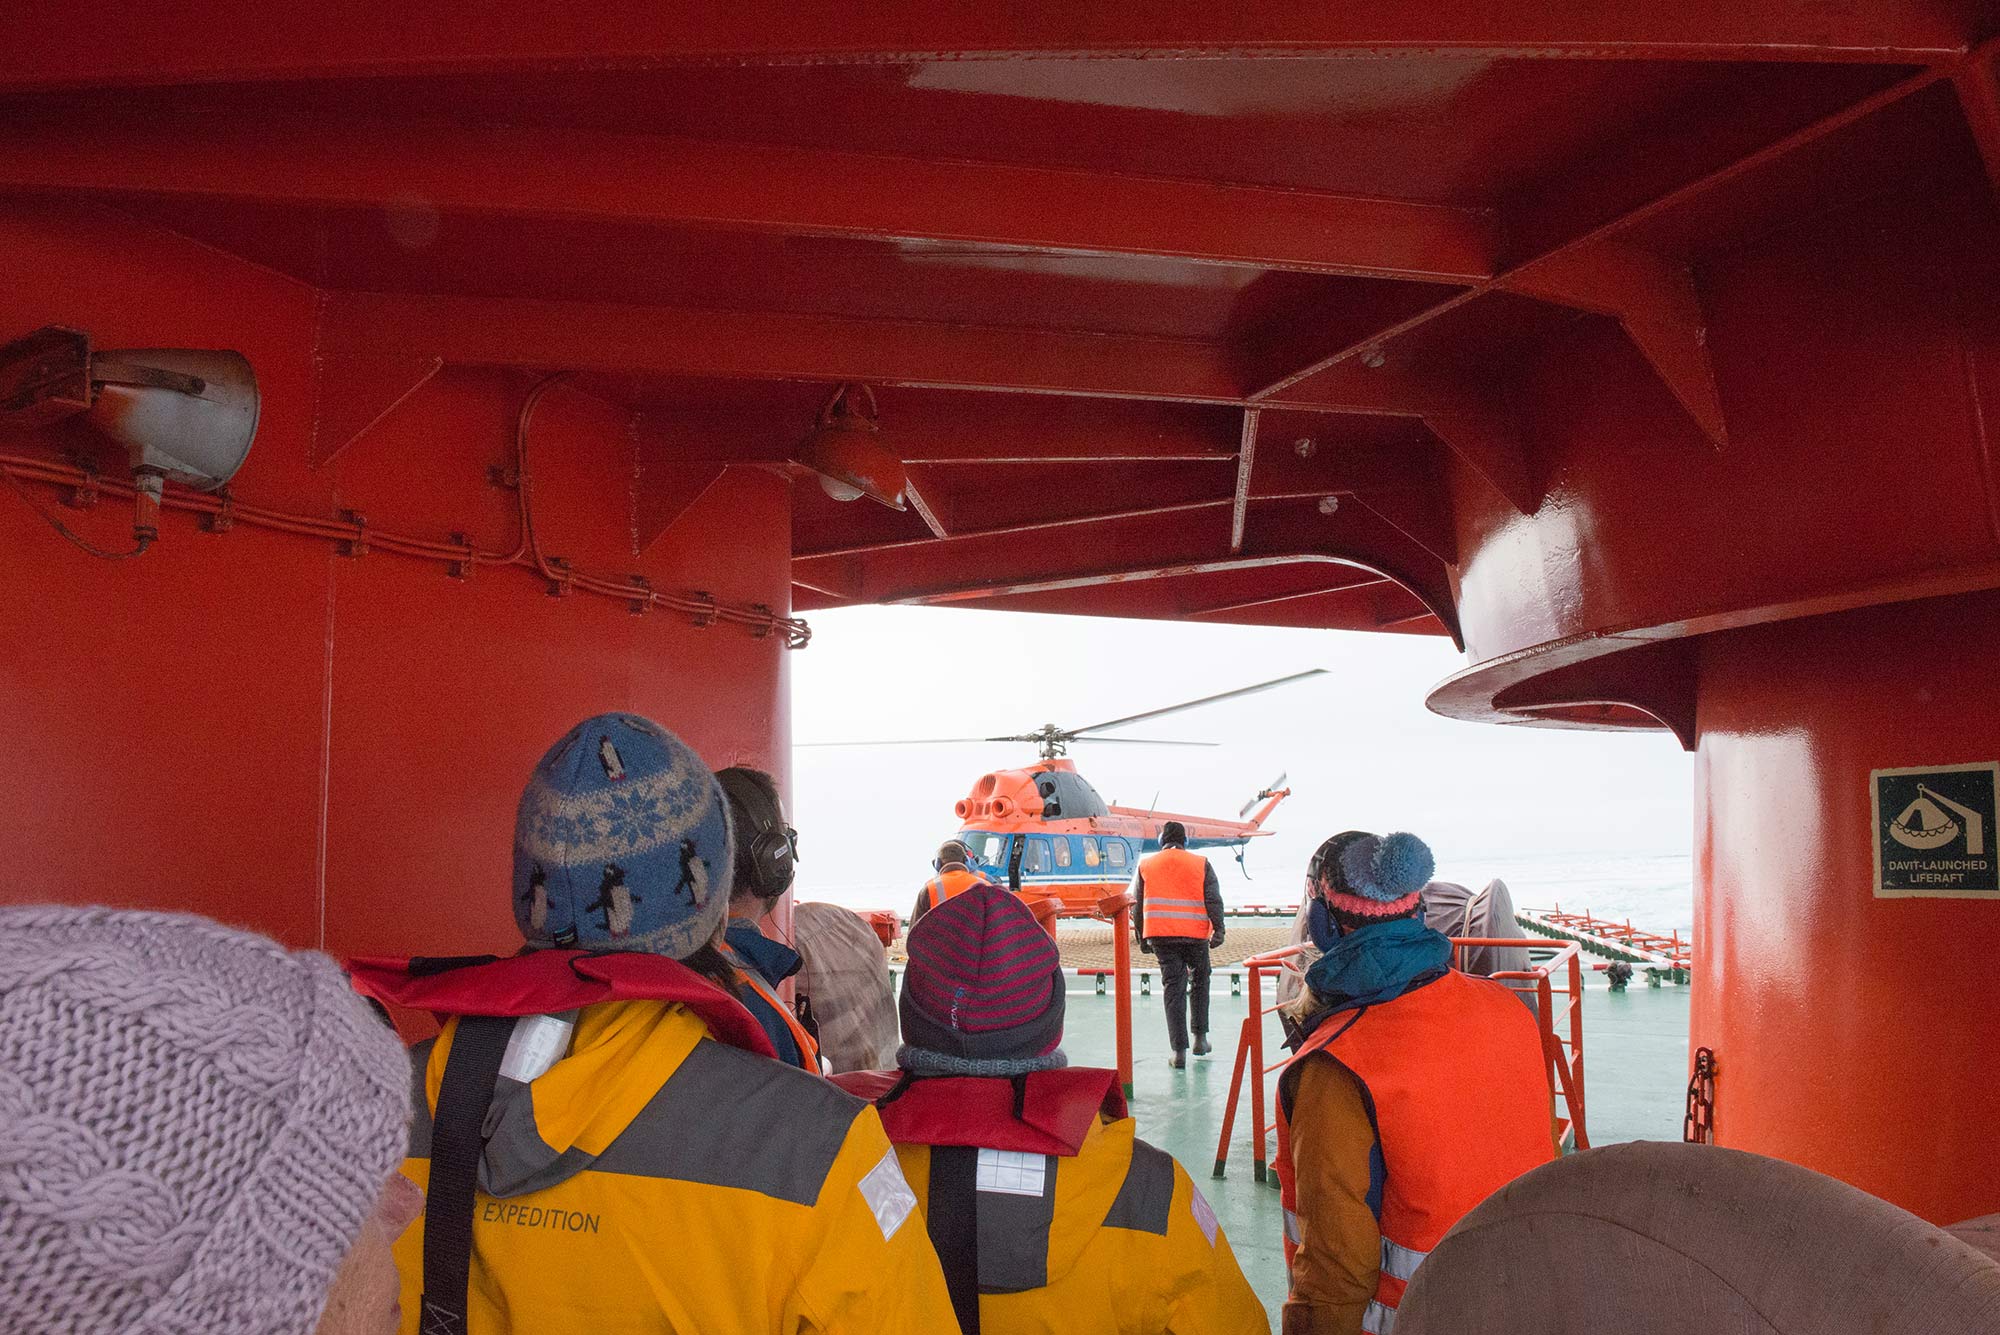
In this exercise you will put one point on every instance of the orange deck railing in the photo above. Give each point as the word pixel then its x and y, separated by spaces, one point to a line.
pixel 1670 947
pixel 1561 1030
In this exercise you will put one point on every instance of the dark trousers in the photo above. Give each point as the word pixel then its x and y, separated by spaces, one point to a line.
pixel 1180 960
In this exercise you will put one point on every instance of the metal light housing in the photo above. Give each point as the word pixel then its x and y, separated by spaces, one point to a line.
pixel 180 413
pixel 843 449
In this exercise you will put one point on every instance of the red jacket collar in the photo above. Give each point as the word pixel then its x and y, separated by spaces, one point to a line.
pixel 546 981
pixel 1057 1110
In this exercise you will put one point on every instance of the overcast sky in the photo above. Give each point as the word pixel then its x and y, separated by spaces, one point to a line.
pixel 1359 746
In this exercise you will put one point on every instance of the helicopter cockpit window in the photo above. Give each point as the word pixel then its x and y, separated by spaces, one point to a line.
pixel 1062 853
pixel 990 849
pixel 1091 855
pixel 1067 795
pixel 1114 852
pixel 1036 856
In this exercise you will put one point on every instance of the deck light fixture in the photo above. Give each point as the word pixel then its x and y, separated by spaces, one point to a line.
pixel 843 449
pixel 180 413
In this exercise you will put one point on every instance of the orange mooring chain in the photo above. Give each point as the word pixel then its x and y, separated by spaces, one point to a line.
pixel 1699 1127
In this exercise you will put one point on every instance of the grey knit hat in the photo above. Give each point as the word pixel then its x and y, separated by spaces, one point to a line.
pixel 194 1124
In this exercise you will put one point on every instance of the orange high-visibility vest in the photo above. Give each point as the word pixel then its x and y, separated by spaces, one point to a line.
pixel 1175 905
pixel 1460 1090
pixel 808 1046
pixel 945 884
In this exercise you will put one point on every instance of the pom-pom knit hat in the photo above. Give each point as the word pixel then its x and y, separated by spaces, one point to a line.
pixel 983 990
pixel 1369 878
pixel 197 1124
pixel 622 842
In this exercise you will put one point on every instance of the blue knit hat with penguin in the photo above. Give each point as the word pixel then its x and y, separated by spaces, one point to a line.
pixel 622 842
pixel 1356 879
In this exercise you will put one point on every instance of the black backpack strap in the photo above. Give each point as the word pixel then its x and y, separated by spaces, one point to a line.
pixel 952 1218
pixel 457 1141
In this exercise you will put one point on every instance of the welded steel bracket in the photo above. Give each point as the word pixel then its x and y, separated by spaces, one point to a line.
pixel 352 395
pixel 45 376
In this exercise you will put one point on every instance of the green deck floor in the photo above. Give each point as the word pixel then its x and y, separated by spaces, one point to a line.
pixel 1635 1076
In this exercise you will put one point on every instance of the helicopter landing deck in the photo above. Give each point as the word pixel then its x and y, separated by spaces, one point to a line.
pixel 1635 1080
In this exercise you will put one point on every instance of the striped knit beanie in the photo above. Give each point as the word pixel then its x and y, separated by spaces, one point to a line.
pixel 1366 878
pixel 197 1123
pixel 983 991
pixel 622 842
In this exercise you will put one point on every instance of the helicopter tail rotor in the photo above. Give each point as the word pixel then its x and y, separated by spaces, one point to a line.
pixel 1269 791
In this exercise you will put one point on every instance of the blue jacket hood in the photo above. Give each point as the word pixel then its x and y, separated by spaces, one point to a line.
pixel 775 960
pixel 1378 963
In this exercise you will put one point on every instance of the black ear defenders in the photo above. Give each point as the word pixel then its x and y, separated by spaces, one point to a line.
pixel 1324 858
pixel 772 845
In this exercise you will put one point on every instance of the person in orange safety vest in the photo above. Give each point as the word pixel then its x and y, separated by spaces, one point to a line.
pixel 955 875
pixel 767 850
pixel 1417 1090
pixel 1178 917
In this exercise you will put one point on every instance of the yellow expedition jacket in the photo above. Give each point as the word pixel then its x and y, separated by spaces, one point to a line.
pixel 1119 1243
pixel 654 1181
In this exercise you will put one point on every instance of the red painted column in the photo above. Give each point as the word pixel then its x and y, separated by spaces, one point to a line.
pixel 1854 1034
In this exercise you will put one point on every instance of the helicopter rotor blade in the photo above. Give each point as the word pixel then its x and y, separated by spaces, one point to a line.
pixel 911 741
pixel 1136 741
pixel 1195 704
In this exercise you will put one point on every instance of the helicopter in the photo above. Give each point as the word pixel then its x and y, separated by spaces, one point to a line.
pixel 1043 829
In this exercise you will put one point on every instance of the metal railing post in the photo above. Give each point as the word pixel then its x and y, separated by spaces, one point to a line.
pixel 1118 908
pixel 1235 1092
pixel 1257 1067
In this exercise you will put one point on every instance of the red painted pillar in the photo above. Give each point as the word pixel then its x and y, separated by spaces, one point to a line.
pixel 1854 1034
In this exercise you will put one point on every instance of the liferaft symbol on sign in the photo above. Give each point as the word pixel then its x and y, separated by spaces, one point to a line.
pixel 1924 824
pixel 1934 831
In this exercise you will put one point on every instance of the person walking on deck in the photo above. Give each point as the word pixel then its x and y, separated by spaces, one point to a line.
pixel 956 873
pixel 1178 917
pixel 1048 1213
pixel 1417 1090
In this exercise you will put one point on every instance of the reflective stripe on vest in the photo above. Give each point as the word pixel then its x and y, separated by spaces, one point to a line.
pixel 948 883
pixel 1400 1262
pixel 1175 883
pixel 1378 1320
pixel 808 1048
pixel 1292 1234
pixel 1455 1120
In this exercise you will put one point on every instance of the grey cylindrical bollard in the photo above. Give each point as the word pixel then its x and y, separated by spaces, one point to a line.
pixel 1651 1238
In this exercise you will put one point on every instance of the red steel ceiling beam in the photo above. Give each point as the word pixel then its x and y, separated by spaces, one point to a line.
pixel 1138 545
pixel 673 341
pixel 1978 81
pixel 927 510
pixel 1362 602
pixel 1246 461
pixel 250 40
pixel 1465 412
pixel 1369 475
pixel 1015 530
pixel 1237 607
pixel 794 191
pixel 1655 301
pixel 1651 296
